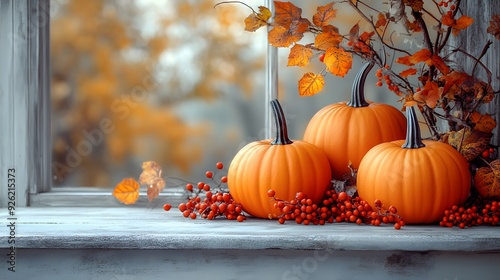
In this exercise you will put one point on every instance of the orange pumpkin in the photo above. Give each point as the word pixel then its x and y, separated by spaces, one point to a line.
pixel 347 130
pixel 420 178
pixel 282 165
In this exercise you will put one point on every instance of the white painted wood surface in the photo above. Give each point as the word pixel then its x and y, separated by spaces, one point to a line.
pixel 141 243
pixel 24 97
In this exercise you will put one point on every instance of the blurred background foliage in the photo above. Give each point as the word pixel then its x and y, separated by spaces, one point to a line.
pixel 174 81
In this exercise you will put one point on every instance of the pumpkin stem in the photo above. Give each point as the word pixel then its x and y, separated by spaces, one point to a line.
pixel 413 137
pixel 281 128
pixel 358 87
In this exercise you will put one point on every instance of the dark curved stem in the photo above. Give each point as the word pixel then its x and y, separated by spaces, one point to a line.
pixel 358 87
pixel 281 128
pixel 413 137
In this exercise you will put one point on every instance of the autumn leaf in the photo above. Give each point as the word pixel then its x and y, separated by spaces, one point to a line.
pixel 324 14
pixel 338 62
pixel 354 33
pixel 416 5
pixel 299 55
pixel 151 177
pixel 310 84
pixel 483 122
pixel 424 55
pixel 256 20
pixel 285 13
pixel 469 143
pixel 127 191
pixel 281 36
pixel 494 28
pixel 456 24
pixel 365 36
pixel 429 94
pixel 487 180
pixel 381 20
pixel 327 39
pixel 413 26
pixel 408 72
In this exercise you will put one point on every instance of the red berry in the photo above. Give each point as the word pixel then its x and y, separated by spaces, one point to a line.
pixel 209 174
pixel 322 57
pixel 167 207
pixel 219 165
pixel 271 193
pixel 486 153
pixel 223 179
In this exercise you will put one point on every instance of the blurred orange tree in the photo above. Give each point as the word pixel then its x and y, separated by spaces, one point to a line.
pixel 120 70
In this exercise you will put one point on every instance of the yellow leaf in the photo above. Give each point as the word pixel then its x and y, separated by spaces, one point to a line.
pixel 469 143
pixel 127 191
pixel 281 36
pixel 338 62
pixel 256 20
pixel 310 84
pixel 299 55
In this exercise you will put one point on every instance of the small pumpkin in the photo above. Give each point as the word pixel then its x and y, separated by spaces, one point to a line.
pixel 420 178
pixel 282 165
pixel 347 130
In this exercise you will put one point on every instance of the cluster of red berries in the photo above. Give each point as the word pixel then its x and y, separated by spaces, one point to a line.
pixel 487 213
pixel 390 85
pixel 210 202
pixel 336 207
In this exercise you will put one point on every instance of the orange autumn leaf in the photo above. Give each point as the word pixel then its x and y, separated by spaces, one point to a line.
pixel 456 24
pixel 256 20
pixel 365 36
pixel 487 180
pixel 416 5
pixel 494 28
pixel 285 13
pixel 338 62
pixel 324 14
pixel 310 84
pixel 127 191
pixel 413 26
pixel 408 72
pixel 327 39
pixel 483 122
pixel 429 94
pixel 280 36
pixel 151 177
pixel 381 20
pixel 424 55
pixel 299 55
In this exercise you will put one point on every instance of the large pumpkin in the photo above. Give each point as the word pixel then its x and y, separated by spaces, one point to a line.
pixel 282 165
pixel 347 130
pixel 420 178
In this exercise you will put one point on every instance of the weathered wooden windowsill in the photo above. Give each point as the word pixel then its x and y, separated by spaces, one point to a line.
pixel 149 243
pixel 142 228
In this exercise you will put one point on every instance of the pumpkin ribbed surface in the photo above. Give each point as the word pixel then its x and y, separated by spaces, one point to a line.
pixel 346 133
pixel 287 169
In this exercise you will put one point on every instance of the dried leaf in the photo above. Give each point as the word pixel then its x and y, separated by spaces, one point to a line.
pixel 413 26
pixel 338 62
pixel 430 94
pixel 487 180
pixel 324 15
pixel 285 13
pixel 494 28
pixel 416 5
pixel 299 55
pixel 281 36
pixel 151 177
pixel 365 36
pixel 310 84
pixel 127 191
pixel 408 72
pixel 483 123
pixel 354 33
pixel 381 20
pixel 424 55
pixel 327 39
pixel 456 24
pixel 469 143
pixel 256 20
